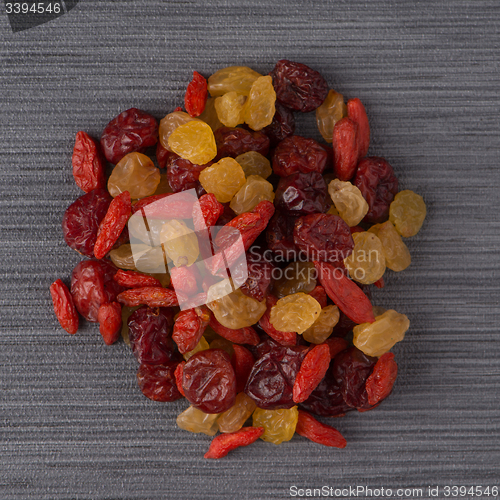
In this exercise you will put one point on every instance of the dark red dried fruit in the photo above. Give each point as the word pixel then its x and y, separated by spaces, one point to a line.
pixel 134 279
pixel 149 333
pixel 298 86
pixel 92 285
pixel 157 382
pixel 209 381
pixel 319 294
pixel 259 279
pixel 109 317
pixel 131 131
pixel 302 194
pixel 323 237
pixel 245 335
pixel 196 95
pixel 283 338
pixel 242 361
pixel 162 155
pixel 310 428
pixel 189 327
pixel 64 308
pixel 207 212
pixel 279 236
pixel 89 170
pixel 182 174
pixel 113 224
pixel 151 296
pixel 379 283
pixel 236 141
pixel 298 154
pixel 186 280
pixel 351 368
pixel 271 380
pixel 379 384
pixel 224 443
pixel 376 180
pixel 345 149
pixel 357 113
pixel 82 219
pixel 336 345
pixel 179 370
pixel 311 373
pixel 282 126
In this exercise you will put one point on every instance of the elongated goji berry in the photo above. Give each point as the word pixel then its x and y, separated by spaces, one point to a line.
pixel 189 327
pixel 109 317
pixel 185 279
pixel 283 338
pixel 112 225
pixel 134 279
pixel 242 361
pixel 152 296
pixel 89 169
pixel 64 307
pixel 224 443
pixel 311 373
pixel 206 212
pixel 345 294
pixel 313 430
pixel 357 113
pixel 379 384
pixel 319 294
pixel 182 208
pixel 196 95
pixel 178 376
pixel 245 335
pixel 345 149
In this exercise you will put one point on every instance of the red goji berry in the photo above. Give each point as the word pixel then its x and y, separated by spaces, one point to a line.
pixel 345 149
pixel 283 338
pixel 245 335
pixel 206 212
pixel 196 95
pixel 311 373
pixel 319 294
pixel 178 376
pixel 189 327
pixel 152 296
pixel 89 170
pixel 112 225
pixel 109 317
pixel 181 209
pixel 242 361
pixel 336 345
pixel 345 294
pixel 357 113
pixel 313 430
pixel 64 307
pixel 134 279
pixel 379 384
pixel 380 283
pixel 185 279
pixel 224 443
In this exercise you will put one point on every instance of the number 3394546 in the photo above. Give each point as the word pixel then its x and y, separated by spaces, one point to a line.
pixel 33 8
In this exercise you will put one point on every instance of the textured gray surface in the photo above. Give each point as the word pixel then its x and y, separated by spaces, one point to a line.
pixel 73 423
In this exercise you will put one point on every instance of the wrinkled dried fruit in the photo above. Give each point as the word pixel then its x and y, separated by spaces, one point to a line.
pixel 189 327
pixel 366 264
pixel 64 308
pixel 224 179
pixel 209 115
pixel 157 382
pixel 194 420
pixel 134 279
pixel 196 95
pixel 233 419
pixel 310 428
pixel 232 79
pixel 322 328
pixel 223 444
pixel 236 141
pixel 357 113
pixel 318 292
pixel 202 345
pixel 279 425
pixel 207 212
pixel 162 155
pixel 379 384
pixel 246 335
pixel 180 243
pixel 397 255
pixel 170 123
pixel 259 279
pixel 311 373
pixel 329 113
pixel 260 105
pixel 230 109
pixel 283 338
pixel 296 312
pixel 282 126
pixel 151 296
pixel 349 201
pixel 89 170
pixel 279 236
pixel 407 212
pixel 345 149
pixel 186 279
pixel 193 141
pixel 253 163
pixel 109 317
pixel 182 174
pixel 251 194
pixel 242 361
pixel 296 277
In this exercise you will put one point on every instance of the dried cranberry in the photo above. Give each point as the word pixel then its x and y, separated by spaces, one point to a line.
pixel 302 194
pixel 259 278
pixel 279 236
pixel 162 155
pixel 182 174
pixel 82 219
pixel 157 382
pixel 283 124
pixel 92 285
pixel 209 381
pixel 132 130
pixel 271 380
pixel 298 86
pixel 89 169
pixel 298 154
pixel 196 95
pixel 236 141
pixel 344 326
pixel 149 333
pixel 323 237
pixel 376 180
pixel 351 368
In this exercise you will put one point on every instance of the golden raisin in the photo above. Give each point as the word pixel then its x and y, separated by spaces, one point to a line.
pixel 170 123
pixel 232 79
pixel 253 163
pixel 260 106
pixel 230 109
pixel 194 420
pixel 279 425
pixel 180 243
pixel 366 264
pixel 407 212
pixel 397 255
pixel 329 113
pixel 233 419
pixel 349 201
pixel 255 190
pixel 209 115
pixel 224 179
pixel 295 313
pixel 296 277
pixel 322 328
pixel 122 257
pixel 194 141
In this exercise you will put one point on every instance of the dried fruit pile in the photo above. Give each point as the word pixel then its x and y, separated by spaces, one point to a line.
pixel 316 224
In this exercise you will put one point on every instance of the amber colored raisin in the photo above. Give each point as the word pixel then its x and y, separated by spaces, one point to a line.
pixel 397 255
pixel 157 382
pixel 82 219
pixel 89 169
pixel 209 381
pixel 348 201
pixel 345 149
pixel 224 179
pixel 232 79
pixel 236 141
pixel 283 338
pixel 298 86
pixel 170 123
pixel 279 425
pixel 295 312
pixel 109 317
pixel 233 419
pixel 131 131
pixel 255 190
pixel 311 373
pixel 322 328
pixel 64 307
pixel 223 444
pixel 196 95
pixel 260 105
pixel 329 113
pixel 209 115
pixel 282 126
pixel 296 277
pixel 254 163
pixel 310 428
pixel 193 141
pixel 407 212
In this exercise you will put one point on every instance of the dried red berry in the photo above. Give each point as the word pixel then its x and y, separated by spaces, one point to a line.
pixel 379 283
pixel 157 382
pixel 109 317
pixel 196 95
pixel 236 141
pixel 345 149
pixel 259 279
pixel 162 155
pixel 242 361
pixel 282 126
pixel 310 428
pixel 134 279
pixel 336 345
pixel 189 327
pixel 151 296
pixel 245 335
pixel 179 370
pixel 357 113
pixel 207 213
pixel 185 280
pixel 312 370
pixel 64 307
pixel 182 174
pixel 279 235
pixel 224 443
pixel 130 131
pixel 298 86
pixel 379 384
pixel 89 170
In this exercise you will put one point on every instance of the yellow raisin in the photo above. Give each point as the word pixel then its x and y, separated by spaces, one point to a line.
pixel 163 187
pixel 296 277
pixel 260 106
pixel 230 109
pixel 194 141
pixel 255 190
pixel 333 211
pixel 407 212
pixel 170 123
pixel 397 255
pixel 224 179
pixel 349 201
pixel 202 345
pixel 329 113
pixel 377 338
pixel 366 264
pixel 149 259
pixel 322 328
pixel 295 313
pixel 209 115
pixel 135 173
pixel 233 419
pixel 253 163
pixel 194 420
pixel 232 79
pixel 122 257
pixel 279 425
pixel 180 243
